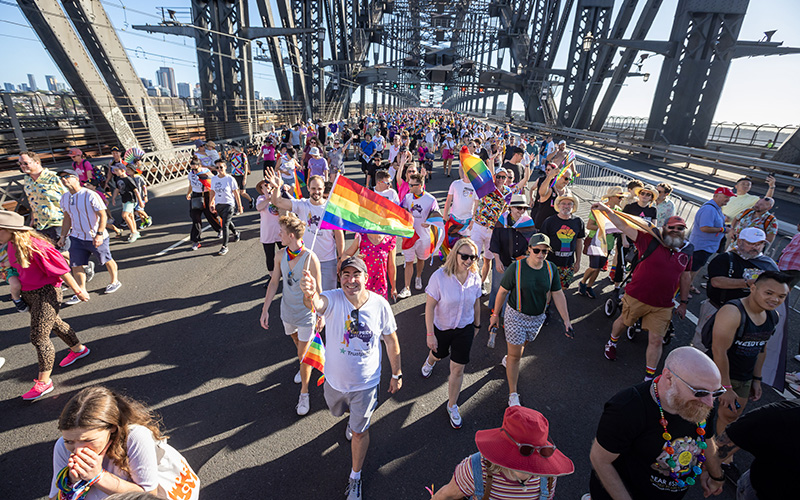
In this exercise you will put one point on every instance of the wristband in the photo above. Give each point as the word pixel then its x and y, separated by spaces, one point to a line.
pixel 494 315
pixel 722 229
pixel 757 378
pixel 717 479
pixel 684 301
pixel 479 327
pixel 430 335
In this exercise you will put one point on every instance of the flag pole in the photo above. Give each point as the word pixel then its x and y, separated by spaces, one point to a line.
pixel 325 206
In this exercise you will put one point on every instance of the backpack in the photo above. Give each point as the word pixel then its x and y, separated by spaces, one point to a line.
pixel 482 493
pixel 707 334
pixel 767 222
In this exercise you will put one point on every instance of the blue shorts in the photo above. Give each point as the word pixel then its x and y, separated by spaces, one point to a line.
pixel 81 250
pixel 127 206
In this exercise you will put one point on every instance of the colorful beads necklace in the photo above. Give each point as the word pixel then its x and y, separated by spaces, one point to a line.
pixel 76 491
pixel 293 254
pixel 676 462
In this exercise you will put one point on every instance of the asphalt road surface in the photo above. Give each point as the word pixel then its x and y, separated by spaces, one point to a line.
pixel 182 334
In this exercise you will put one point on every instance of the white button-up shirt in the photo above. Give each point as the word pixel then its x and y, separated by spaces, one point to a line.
pixel 455 306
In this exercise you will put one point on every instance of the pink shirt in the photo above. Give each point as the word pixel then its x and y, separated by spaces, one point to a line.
pixel 46 268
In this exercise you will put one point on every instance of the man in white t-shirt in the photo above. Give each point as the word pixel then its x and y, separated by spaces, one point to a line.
pixel 206 156
pixel 356 320
pixel 383 186
pixel 327 243
pixel 461 203
pixel 85 225
pixel 420 203
pixel 224 193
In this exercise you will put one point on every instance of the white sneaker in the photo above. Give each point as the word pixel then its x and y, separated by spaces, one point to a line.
pixel 303 404
pixel 427 369
pixel 404 293
pixel 455 417
pixel 513 399
pixel 418 283
pixel 586 497
pixel 2 362
pixel 797 357
pixel 348 434
pixel 89 270
pixel 504 360
pixel 113 287
pixel 71 302
pixel 219 235
pixel 297 378
pixel 353 490
pixel 485 289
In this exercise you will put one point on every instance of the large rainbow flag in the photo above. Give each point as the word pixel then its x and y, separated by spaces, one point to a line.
pixel 315 356
pixel 353 207
pixel 298 193
pixel 477 172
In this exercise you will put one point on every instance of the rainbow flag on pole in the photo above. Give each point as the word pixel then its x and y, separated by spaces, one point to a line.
pixel 298 193
pixel 477 172
pixel 353 207
pixel 315 356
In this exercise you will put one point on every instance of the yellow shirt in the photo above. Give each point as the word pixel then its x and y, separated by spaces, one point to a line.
pixel 739 204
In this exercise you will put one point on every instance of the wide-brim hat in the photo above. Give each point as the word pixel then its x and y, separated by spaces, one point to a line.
pixel 314 152
pixel 13 221
pixel 612 192
pixel 649 188
pixel 525 426
pixel 518 200
pixel 563 197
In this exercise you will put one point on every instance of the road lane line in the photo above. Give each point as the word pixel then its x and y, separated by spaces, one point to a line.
pixel 179 243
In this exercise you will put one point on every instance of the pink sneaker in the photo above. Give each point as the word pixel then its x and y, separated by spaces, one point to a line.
pixel 74 356
pixel 39 390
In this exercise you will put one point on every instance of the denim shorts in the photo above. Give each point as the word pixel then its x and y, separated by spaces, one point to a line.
pixel 81 250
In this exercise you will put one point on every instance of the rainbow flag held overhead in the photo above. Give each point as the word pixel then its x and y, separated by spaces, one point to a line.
pixel 353 207
pixel 452 230
pixel 298 193
pixel 477 172
pixel 315 356
pixel 437 234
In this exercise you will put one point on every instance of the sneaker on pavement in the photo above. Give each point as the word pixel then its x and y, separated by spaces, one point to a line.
pixel 134 237
pixel 71 302
pixel 348 434
pixel 237 237
pixel 196 246
pixel 219 235
pixel 590 293
pixel 39 389
pixel 582 288
pixel 418 283
pixel 74 356
pixel 113 287
pixel 404 293
pixel 610 351
pixel 455 417
pixel 297 377
pixel 303 404
pixel 222 251
pixel 505 360
pixel 89 269
pixel 513 399
pixel 2 362
pixel 21 305
pixel 427 369
pixel 353 490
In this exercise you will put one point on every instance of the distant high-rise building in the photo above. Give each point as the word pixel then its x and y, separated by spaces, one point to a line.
pixel 25 87
pixel 51 83
pixel 61 87
pixel 257 94
pixel 10 87
pixel 153 92
pixel 184 90
pixel 32 82
pixel 166 79
pixel 146 82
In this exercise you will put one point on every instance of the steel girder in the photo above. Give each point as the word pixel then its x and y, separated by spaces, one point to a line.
pixel 301 91
pixel 689 87
pixel 592 16
pixel 274 46
pixel 95 28
pixel 53 27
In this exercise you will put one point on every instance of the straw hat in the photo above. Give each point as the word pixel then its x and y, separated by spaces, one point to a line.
pixel 612 192
pixel 575 201
pixel 649 188
pixel 13 221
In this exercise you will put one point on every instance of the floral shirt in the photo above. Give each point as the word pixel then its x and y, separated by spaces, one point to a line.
pixel 376 258
pixel 490 208
pixel 664 211
pixel 44 195
pixel 750 218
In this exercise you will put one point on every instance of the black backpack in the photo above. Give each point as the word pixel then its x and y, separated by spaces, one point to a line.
pixel 707 334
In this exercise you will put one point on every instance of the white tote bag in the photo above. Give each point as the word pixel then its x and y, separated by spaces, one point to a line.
pixel 176 479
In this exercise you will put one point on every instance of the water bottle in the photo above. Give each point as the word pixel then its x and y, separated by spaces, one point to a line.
pixel 492 337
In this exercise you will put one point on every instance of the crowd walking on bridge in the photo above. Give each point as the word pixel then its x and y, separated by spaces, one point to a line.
pixel 508 239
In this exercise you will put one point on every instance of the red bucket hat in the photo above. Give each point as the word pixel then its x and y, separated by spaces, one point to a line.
pixel 528 428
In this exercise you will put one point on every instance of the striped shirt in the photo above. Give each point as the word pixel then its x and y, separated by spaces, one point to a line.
pixel 82 208
pixel 502 487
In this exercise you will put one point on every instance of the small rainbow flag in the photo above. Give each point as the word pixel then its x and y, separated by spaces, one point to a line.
pixel 477 172
pixel 452 235
pixel 298 174
pixel 315 356
pixel 353 207
pixel 298 193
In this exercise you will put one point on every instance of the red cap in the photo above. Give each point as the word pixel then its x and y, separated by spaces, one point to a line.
pixel 725 191
pixel 675 220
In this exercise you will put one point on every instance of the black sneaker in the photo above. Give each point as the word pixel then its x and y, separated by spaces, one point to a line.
pixel 237 237
pixel 731 472
pixel 21 305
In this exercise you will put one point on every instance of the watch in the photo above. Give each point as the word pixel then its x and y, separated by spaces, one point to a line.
pixel 684 301
pixel 397 377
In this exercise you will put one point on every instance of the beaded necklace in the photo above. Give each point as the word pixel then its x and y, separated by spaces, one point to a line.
pixel 293 254
pixel 675 462
pixel 76 491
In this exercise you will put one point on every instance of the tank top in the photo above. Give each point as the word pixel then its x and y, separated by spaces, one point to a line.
pixel 293 311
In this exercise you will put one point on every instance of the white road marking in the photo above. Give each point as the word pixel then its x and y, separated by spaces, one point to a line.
pixel 179 243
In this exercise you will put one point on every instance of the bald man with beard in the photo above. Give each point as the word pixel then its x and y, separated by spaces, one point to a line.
pixel 630 457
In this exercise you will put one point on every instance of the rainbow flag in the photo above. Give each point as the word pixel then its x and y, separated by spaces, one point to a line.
pixel 315 356
pixel 353 207
pixel 298 193
pixel 452 235
pixel 298 174
pixel 477 172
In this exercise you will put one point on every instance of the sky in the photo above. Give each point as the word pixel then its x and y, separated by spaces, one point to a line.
pixel 757 90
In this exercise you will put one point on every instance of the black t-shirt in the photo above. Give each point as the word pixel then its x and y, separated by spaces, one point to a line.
pixel 743 353
pixel 772 436
pixel 731 265
pixel 286 136
pixel 629 427
pixel 647 213
pixel 543 210
pixel 484 155
pixel 564 235
pixel 127 189
pixel 514 168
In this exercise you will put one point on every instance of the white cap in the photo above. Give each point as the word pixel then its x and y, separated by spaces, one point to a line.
pixel 752 235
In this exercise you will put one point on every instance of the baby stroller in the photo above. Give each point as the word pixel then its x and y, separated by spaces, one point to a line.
pixel 614 303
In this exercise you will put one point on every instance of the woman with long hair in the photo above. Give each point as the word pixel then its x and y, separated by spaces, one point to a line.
pixel 453 316
pixel 107 445
pixel 41 269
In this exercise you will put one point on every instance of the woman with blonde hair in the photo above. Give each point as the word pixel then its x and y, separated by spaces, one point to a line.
pixel 41 270
pixel 453 316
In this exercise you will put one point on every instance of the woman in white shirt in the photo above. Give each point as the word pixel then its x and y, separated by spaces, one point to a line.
pixel 448 153
pixel 452 317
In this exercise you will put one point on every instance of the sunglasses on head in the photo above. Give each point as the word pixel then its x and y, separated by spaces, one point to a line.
pixel 527 450
pixel 537 251
pixel 701 393
pixel 676 228
pixel 466 256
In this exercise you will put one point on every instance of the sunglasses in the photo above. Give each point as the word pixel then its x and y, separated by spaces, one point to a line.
pixel 676 228
pixel 466 256
pixel 414 185
pixel 701 393
pixel 527 450
pixel 500 177
pixel 537 251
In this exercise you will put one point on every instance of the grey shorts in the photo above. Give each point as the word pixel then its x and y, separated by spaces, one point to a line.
pixel 521 328
pixel 360 404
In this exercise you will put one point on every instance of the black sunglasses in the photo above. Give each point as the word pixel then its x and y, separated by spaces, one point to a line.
pixel 527 450
pixel 676 228
pixel 537 251
pixel 500 177
pixel 413 185
pixel 701 393
pixel 466 256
